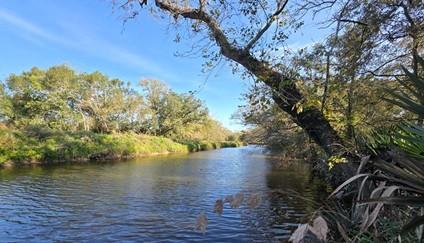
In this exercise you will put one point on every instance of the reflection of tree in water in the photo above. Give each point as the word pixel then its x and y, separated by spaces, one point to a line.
pixel 290 196
pixel 295 193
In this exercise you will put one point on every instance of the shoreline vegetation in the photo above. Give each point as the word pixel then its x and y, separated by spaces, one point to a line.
pixel 59 114
pixel 352 103
pixel 49 146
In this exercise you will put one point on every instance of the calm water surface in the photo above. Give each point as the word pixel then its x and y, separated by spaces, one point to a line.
pixel 154 199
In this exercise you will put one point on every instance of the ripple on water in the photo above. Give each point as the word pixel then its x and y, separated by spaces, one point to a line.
pixel 153 199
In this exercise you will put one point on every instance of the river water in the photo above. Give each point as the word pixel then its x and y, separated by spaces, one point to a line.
pixel 156 199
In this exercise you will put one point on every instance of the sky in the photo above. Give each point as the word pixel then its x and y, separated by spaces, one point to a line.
pixel 88 36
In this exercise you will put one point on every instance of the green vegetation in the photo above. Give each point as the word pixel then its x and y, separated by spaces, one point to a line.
pixel 60 115
pixel 355 100
pixel 205 145
pixel 330 98
pixel 42 145
pixel 45 145
pixel 329 94
pixel 392 186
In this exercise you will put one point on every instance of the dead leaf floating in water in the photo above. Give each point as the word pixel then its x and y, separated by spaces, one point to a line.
pixel 254 200
pixel 202 223
pixel 238 200
pixel 316 233
pixel 299 234
pixel 320 228
pixel 219 206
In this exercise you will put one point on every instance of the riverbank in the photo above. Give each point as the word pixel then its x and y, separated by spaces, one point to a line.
pixel 47 146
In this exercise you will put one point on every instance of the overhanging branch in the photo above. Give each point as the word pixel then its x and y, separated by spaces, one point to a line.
pixel 200 14
pixel 267 25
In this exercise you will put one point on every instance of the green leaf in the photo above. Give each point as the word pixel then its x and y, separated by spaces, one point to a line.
pixel 407 104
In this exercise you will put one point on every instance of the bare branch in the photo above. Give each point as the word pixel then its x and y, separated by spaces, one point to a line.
pixel 317 6
pixel 202 4
pixel 387 62
pixel 384 75
pixel 352 21
pixel 268 24
pixel 125 4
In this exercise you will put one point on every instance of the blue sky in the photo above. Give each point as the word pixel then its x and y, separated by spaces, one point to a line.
pixel 88 36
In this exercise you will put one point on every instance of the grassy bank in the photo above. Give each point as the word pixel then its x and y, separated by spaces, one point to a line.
pixel 41 146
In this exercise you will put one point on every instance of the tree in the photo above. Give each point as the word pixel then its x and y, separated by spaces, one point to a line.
pixel 253 47
pixel 363 111
pixel 61 99
pixel 5 105
pixel 39 98
pixel 208 130
pixel 395 29
pixel 107 102
pixel 169 112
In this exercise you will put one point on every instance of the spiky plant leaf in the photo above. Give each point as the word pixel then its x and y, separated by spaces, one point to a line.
pixel 414 79
pixel 404 175
pixel 398 200
pixel 413 224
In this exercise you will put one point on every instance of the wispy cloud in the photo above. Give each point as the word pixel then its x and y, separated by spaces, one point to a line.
pixel 85 42
pixel 30 28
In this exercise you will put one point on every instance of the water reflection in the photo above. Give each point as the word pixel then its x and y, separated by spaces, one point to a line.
pixel 153 199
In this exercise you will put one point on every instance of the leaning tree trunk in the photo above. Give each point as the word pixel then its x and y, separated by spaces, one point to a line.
pixel 287 96
pixel 285 93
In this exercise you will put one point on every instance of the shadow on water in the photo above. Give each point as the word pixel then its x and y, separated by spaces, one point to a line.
pixel 156 198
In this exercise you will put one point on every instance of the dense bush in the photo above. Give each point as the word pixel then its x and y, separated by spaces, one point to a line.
pixel 194 146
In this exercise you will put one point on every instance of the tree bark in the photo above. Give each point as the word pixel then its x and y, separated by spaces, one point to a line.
pixel 287 96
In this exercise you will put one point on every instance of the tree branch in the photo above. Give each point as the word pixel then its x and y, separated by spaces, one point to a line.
pixel 202 4
pixel 200 14
pixel 352 21
pixel 268 24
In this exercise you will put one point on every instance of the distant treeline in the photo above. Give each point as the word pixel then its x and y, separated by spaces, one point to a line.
pixel 70 108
